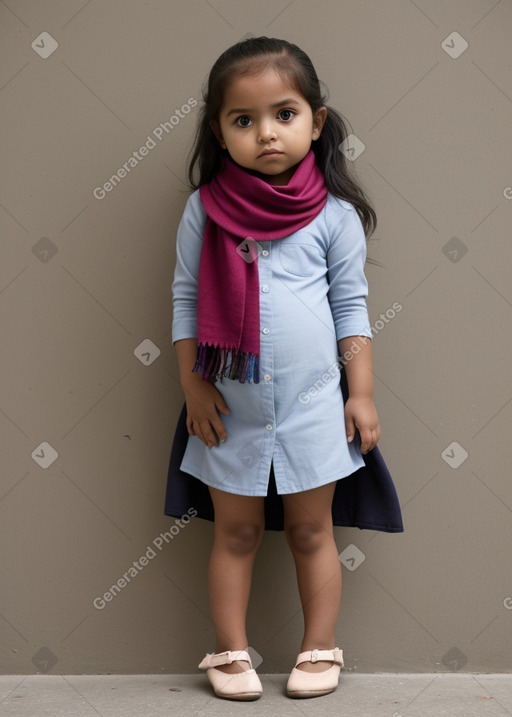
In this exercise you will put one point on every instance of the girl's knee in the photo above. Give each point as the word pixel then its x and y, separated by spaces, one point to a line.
pixel 241 538
pixel 306 538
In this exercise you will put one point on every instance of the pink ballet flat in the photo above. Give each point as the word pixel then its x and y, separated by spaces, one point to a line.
pixel 238 686
pixel 315 684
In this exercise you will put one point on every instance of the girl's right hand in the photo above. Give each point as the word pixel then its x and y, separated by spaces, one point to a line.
pixel 204 402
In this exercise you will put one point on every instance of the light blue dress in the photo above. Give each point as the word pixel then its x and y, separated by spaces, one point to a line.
pixel 312 293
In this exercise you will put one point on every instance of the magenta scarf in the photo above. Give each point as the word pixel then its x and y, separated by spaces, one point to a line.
pixel 243 209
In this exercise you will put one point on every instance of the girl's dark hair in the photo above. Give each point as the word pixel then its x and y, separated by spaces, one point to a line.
pixel 254 55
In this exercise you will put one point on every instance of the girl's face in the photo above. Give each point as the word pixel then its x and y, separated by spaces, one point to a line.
pixel 266 126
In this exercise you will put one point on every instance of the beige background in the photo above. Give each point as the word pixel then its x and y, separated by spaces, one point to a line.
pixel 84 281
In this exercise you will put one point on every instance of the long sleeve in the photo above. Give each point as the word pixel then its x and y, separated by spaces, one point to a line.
pixel 189 242
pixel 346 256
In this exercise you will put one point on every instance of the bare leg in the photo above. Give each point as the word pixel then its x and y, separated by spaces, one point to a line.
pixel 239 528
pixel 309 532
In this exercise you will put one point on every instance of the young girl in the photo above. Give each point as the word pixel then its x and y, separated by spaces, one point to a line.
pixel 269 294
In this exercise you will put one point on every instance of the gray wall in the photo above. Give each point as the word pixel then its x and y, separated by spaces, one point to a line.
pixel 84 281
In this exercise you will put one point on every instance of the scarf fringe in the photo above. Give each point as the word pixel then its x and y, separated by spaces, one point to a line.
pixel 215 362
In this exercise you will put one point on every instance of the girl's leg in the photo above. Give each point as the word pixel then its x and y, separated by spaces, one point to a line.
pixel 309 532
pixel 239 528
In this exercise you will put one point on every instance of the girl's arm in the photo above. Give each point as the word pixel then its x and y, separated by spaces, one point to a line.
pixel 360 412
pixel 204 400
pixel 348 290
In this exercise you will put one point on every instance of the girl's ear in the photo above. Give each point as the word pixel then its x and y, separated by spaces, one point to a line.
pixel 319 121
pixel 214 125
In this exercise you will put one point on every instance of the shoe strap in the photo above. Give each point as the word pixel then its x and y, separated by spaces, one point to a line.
pixel 335 656
pixel 224 658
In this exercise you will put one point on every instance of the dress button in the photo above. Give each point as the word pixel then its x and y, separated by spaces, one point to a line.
pixel 268 426
pixel 265 252
pixel 265 330
pixel 266 377
pixel 264 288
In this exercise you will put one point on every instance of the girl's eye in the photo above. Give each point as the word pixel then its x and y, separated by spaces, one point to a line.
pixel 286 115
pixel 243 121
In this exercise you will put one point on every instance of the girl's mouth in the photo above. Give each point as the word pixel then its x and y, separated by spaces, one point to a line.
pixel 269 152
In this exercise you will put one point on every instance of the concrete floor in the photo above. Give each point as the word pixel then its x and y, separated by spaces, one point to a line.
pixel 358 695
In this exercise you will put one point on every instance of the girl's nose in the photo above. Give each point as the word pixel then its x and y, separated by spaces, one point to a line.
pixel 267 132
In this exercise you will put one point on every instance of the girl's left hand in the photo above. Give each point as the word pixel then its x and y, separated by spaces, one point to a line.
pixel 361 413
